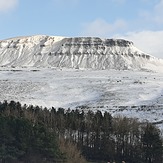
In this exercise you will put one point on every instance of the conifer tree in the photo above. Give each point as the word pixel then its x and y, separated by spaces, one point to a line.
pixel 152 144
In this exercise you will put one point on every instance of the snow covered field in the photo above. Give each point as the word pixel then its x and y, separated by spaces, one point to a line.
pixel 131 93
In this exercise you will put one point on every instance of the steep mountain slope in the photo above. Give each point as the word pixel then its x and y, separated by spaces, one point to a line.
pixel 79 52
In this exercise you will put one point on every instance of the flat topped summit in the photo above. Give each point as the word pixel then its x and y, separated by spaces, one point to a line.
pixel 77 52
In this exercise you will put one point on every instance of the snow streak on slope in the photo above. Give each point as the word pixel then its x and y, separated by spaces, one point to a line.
pixel 80 52
pixel 27 51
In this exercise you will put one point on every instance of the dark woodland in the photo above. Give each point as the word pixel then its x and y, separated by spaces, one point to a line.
pixel 31 134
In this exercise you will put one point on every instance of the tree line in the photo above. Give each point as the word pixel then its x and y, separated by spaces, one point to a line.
pixel 47 133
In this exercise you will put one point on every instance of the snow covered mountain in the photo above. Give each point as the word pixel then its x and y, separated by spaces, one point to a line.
pixel 79 52
pixel 26 76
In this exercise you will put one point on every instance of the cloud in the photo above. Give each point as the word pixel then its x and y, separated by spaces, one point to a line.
pixel 7 5
pixel 154 15
pixel 158 10
pixel 102 28
pixel 148 41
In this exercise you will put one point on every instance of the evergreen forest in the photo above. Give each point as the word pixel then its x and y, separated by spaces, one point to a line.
pixel 31 134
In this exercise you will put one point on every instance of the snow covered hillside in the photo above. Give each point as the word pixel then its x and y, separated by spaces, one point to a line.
pixel 79 52
pixel 90 73
pixel 130 93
